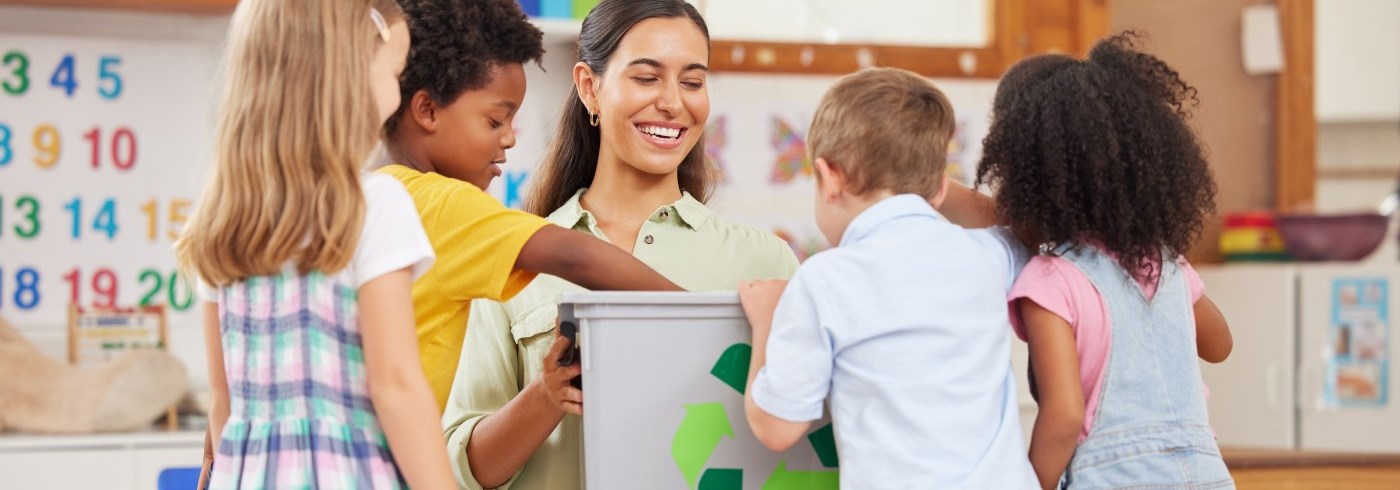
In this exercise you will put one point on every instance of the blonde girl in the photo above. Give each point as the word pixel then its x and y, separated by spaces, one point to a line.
pixel 305 263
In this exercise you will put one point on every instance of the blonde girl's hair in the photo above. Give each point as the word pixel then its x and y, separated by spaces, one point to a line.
pixel 297 121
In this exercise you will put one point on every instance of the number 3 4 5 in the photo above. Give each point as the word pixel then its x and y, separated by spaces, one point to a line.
pixel 16 76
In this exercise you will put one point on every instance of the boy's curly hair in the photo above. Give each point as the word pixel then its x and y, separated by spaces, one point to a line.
pixel 456 44
pixel 1099 150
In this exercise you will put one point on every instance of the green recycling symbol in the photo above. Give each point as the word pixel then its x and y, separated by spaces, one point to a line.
pixel 706 424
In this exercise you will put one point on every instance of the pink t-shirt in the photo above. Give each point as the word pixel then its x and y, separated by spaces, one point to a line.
pixel 1058 286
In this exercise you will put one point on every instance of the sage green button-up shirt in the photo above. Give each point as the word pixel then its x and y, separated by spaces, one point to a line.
pixel 506 342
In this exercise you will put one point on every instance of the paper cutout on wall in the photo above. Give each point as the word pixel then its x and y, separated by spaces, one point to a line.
pixel 1358 361
pixel 515 183
pixel 791 146
pixel 716 135
pixel 960 169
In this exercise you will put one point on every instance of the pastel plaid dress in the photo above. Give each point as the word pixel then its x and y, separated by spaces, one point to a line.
pixel 300 412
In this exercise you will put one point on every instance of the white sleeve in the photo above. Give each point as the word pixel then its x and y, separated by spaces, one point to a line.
pixel 393 236
pixel 205 291
pixel 796 378
pixel 1001 240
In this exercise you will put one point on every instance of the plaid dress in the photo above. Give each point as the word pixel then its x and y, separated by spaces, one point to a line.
pixel 300 413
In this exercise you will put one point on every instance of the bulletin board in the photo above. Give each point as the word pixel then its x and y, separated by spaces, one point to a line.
pixel 103 149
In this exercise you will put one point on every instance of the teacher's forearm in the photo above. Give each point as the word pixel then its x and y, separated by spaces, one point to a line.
pixel 504 441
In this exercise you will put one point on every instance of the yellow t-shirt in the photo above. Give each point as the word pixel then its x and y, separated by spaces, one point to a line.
pixel 477 240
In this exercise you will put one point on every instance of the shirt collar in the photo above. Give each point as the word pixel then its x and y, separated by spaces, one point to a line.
pixel 692 212
pixel 888 209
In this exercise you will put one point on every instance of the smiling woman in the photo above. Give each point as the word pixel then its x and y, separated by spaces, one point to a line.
pixel 627 166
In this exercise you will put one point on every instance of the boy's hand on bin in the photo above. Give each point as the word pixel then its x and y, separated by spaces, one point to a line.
pixel 759 299
pixel 558 380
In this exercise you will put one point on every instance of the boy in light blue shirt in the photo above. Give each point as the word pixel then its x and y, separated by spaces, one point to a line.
pixel 904 325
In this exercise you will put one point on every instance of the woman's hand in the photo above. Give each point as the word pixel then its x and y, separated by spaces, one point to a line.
pixel 558 380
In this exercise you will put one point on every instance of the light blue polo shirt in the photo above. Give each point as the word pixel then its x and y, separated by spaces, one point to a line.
pixel 904 326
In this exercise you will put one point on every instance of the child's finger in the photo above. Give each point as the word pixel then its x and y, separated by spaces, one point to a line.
pixel 574 408
pixel 573 395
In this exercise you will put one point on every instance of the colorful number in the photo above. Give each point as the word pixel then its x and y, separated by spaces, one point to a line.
pixel 93 139
pixel 76 207
pixel 154 290
pixel 72 279
pixel 49 145
pixel 27 286
pixel 105 74
pixel 20 72
pixel 32 216
pixel 106 220
pixel 173 289
pixel 5 146
pixel 63 76
pixel 130 138
pixel 184 286
pixel 150 209
pixel 123 160
pixel 104 283
pixel 177 217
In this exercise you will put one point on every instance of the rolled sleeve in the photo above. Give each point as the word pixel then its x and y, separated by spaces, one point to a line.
pixel 457 438
pixel 794 381
pixel 487 378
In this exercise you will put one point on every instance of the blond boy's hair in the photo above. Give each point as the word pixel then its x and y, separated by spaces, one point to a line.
pixel 884 128
pixel 297 121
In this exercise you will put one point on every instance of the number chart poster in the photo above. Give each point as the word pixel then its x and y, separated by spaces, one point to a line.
pixel 103 150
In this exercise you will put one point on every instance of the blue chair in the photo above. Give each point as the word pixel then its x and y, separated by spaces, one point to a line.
pixel 178 479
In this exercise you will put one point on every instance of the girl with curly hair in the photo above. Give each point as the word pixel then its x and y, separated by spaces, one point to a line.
pixel 1093 160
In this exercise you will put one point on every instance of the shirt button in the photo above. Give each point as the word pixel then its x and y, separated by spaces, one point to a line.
pixel 649 239
pixel 665 214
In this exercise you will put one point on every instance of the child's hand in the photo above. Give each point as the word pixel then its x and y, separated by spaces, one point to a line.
pixel 558 380
pixel 759 299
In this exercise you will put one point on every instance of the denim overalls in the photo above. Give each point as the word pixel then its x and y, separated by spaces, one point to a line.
pixel 1151 429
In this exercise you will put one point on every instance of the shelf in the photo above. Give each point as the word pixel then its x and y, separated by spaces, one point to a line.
pixel 23 443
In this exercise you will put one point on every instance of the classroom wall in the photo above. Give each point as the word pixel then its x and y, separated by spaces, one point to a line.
pixel 1201 40
pixel 913 22
pixel 1358 103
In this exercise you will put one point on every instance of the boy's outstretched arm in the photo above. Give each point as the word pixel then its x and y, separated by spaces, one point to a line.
pixel 966 207
pixel 1055 362
pixel 1213 339
pixel 759 299
pixel 588 262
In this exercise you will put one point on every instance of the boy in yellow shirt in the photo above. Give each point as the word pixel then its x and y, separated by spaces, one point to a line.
pixel 464 82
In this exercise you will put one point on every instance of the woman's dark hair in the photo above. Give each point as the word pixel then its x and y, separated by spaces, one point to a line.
pixel 573 154
pixel 1099 151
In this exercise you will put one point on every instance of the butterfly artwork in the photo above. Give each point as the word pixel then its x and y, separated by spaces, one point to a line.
pixel 715 140
pixel 960 165
pixel 792 160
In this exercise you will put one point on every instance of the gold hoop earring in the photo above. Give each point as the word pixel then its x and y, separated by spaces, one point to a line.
pixel 593 119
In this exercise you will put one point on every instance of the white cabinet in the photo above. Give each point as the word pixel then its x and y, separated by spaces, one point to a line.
pixel 1273 390
pixel 110 462
pixel 1251 393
